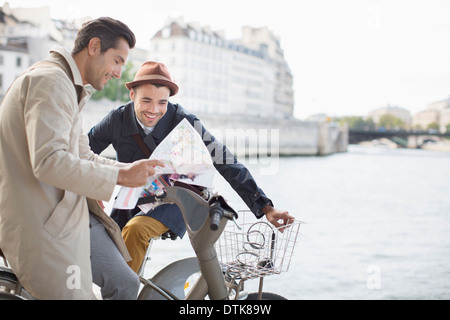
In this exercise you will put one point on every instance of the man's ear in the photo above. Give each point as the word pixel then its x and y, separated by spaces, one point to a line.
pixel 132 94
pixel 94 46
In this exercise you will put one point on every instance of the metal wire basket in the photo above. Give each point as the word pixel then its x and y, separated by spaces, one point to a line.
pixel 256 249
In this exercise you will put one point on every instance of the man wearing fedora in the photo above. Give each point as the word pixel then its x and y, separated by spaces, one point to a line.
pixel 137 128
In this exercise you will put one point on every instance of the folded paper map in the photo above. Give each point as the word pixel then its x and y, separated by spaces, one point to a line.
pixel 186 159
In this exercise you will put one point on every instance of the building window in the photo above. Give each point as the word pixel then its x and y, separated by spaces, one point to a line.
pixel 1 60
pixel 18 62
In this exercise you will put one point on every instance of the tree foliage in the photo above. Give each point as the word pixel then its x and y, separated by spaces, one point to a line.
pixel 357 123
pixel 115 90
pixel 390 121
pixel 433 126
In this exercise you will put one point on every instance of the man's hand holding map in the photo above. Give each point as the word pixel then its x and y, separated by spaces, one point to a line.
pixel 185 159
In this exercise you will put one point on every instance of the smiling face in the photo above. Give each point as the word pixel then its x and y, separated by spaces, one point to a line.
pixel 150 103
pixel 105 66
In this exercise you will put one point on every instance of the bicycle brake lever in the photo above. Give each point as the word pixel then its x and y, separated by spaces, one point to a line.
pixel 235 222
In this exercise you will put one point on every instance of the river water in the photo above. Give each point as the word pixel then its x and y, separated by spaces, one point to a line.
pixel 377 224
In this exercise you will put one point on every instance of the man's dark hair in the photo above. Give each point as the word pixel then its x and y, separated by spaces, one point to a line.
pixel 157 85
pixel 108 30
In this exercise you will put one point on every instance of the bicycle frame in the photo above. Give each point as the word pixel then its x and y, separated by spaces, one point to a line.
pixel 196 214
pixel 169 282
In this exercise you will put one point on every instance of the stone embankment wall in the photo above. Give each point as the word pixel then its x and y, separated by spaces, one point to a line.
pixel 288 137
pixel 254 136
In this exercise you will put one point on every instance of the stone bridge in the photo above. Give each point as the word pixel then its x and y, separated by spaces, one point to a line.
pixel 409 139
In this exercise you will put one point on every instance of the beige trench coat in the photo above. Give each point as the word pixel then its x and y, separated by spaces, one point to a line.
pixel 48 176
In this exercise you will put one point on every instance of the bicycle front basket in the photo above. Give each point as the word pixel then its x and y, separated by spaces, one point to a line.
pixel 256 249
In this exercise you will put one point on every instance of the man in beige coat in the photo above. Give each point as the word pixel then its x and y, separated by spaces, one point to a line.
pixel 49 177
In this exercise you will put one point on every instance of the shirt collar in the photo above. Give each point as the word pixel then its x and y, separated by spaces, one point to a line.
pixel 78 80
pixel 160 131
pixel 147 130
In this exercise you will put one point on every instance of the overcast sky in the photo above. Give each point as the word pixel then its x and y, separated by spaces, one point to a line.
pixel 347 56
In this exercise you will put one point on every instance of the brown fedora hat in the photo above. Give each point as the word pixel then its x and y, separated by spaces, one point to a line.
pixel 154 73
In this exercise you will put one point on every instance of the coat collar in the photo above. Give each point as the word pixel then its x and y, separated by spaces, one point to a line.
pixel 65 59
pixel 130 125
pixel 165 125
pixel 77 79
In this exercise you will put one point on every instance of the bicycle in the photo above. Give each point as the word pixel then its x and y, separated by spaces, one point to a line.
pixel 225 257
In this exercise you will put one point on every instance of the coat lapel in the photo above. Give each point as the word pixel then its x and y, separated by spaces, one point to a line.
pixel 162 129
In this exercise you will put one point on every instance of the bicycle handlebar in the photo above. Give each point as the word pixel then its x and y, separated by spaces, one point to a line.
pixel 189 201
pixel 215 214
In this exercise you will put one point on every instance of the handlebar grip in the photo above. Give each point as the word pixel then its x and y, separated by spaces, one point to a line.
pixel 215 221
pixel 215 214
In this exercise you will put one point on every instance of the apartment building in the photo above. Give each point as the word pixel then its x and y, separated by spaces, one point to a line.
pixel 400 113
pixel 26 36
pixel 436 113
pixel 244 77
pixel 14 59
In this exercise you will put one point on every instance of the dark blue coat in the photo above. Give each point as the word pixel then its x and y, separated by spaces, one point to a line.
pixel 118 128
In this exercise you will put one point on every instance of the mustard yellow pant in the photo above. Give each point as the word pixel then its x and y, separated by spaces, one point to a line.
pixel 137 233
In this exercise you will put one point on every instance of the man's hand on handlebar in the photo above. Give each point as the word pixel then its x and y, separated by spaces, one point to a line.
pixel 274 216
pixel 137 173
